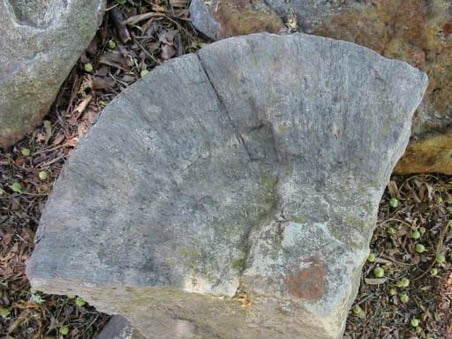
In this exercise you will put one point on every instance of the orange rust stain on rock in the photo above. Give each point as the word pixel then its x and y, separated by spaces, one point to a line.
pixel 447 28
pixel 308 283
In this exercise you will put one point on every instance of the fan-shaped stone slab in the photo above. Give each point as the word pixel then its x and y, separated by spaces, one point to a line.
pixel 232 193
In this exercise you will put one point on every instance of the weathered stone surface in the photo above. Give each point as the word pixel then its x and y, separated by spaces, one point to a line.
pixel 119 328
pixel 40 41
pixel 232 193
pixel 430 155
pixel 221 19
pixel 416 31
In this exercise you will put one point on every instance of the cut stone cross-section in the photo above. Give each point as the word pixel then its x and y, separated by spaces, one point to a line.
pixel 232 193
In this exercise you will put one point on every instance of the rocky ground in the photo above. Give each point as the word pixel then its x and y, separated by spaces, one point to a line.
pixel 406 287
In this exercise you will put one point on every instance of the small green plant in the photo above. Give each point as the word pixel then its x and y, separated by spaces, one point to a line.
pixel 80 302
pixel 359 312
pixel 64 330
pixel 379 272
pixel 42 175
pixel 26 152
pixel 16 187
pixel 371 257
pixel 402 283
pixel 414 322
pixel 111 44
pixel 420 248
pixel 392 291
pixel 440 258
pixel 4 312
pixel 404 298
pixel 394 202
pixel 422 230
pixel 88 67
pixel 416 235
pixel 143 72
pixel 434 272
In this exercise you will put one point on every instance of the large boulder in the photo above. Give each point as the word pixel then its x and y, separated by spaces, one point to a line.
pixel 416 31
pixel 232 193
pixel 40 41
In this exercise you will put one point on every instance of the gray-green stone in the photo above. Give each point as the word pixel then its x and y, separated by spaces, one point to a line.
pixel 232 193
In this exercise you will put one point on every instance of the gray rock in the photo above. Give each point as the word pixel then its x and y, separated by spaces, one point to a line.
pixel 40 41
pixel 203 20
pixel 232 193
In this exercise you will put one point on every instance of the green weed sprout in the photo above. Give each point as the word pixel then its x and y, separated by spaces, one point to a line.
pixel 404 298
pixel 64 330
pixel 42 175
pixel 415 322
pixel 80 302
pixel 420 248
pixel 440 258
pixel 394 202
pixel 402 283
pixel 16 187
pixel 26 152
pixel 379 272
pixel 416 235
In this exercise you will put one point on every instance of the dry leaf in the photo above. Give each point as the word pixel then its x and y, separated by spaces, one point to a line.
pixel 393 189
pixel 83 104
pixel 48 130
pixel 375 281
pixel 178 3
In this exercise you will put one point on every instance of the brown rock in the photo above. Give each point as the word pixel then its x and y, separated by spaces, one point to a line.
pixel 433 154
pixel 236 17
pixel 420 33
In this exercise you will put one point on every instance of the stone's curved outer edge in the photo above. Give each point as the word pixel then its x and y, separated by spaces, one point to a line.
pixel 414 31
pixel 224 66
pixel 31 76
pixel 119 328
pixel 211 196
pixel 169 148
